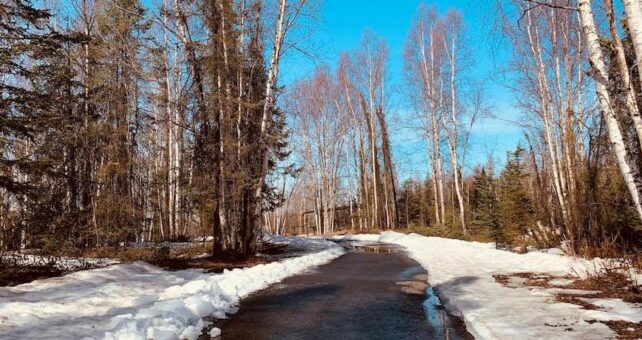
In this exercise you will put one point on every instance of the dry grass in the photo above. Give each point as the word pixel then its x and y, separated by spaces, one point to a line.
pixel 193 251
pixel 209 264
pixel 126 254
pixel 186 257
pixel 359 231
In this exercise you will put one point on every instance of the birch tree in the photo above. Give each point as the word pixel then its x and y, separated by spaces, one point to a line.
pixel 451 47
pixel 424 65
pixel 633 11
pixel 600 76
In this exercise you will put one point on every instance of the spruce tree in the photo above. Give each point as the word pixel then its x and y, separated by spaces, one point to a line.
pixel 485 214
pixel 37 96
pixel 515 205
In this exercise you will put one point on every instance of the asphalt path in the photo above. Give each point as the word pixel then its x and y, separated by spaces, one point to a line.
pixel 361 295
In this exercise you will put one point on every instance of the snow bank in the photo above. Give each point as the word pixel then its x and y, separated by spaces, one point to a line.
pixel 462 272
pixel 141 301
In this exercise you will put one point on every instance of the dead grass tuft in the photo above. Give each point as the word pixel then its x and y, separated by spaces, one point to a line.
pixel 126 254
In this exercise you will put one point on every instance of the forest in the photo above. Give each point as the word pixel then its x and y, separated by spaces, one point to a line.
pixel 123 121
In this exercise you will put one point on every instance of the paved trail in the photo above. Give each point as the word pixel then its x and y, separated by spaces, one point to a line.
pixel 361 295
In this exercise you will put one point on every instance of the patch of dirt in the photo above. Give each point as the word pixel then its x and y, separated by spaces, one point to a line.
pixel 16 275
pixel 272 248
pixel 614 285
pixel 625 330
pixel 530 279
pixel 189 259
pixel 502 279
pixel 574 299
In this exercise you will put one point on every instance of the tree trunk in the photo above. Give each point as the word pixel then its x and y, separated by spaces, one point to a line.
pixel 544 94
pixel 599 73
pixel 634 22
pixel 630 97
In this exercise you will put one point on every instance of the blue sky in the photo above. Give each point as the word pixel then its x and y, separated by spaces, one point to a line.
pixel 339 27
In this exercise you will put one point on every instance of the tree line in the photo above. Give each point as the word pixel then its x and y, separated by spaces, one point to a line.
pixel 575 177
pixel 122 121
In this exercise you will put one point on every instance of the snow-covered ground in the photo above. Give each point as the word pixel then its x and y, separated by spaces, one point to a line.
pixel 141 301
pixel 462 272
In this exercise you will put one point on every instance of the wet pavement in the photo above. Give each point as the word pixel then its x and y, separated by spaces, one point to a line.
pixel 373 292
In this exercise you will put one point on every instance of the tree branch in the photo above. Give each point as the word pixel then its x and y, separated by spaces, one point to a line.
pixel 552 5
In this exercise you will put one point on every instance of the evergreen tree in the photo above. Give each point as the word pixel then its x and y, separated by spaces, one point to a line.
pixel 37 96
pixel 515 205
pixel 485 214
pixel 412 204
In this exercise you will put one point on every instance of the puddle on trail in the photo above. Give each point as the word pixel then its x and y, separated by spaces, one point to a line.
pixel 443 324
pixel 370 247
pixel 447 325
pixel 414 281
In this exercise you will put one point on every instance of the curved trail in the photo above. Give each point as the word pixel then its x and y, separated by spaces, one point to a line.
pixel 361 295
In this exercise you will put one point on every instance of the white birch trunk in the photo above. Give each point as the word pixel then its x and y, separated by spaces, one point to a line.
pixel 634 22
pixel 273 74
pixel 432 131
pixel 169 138
pixel 630 97
pixel 454 131
pixel 544 93
pixel 601 83
pixel 435 104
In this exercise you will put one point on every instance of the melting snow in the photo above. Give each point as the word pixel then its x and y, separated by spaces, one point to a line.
pixel 141 301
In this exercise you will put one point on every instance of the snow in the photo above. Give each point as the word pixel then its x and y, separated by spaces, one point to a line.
pixel 215 332
pixel 141 301
pixel 560 282
pixel 462 273
pixel 555 251
pixel 615 309
pixel 204 239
